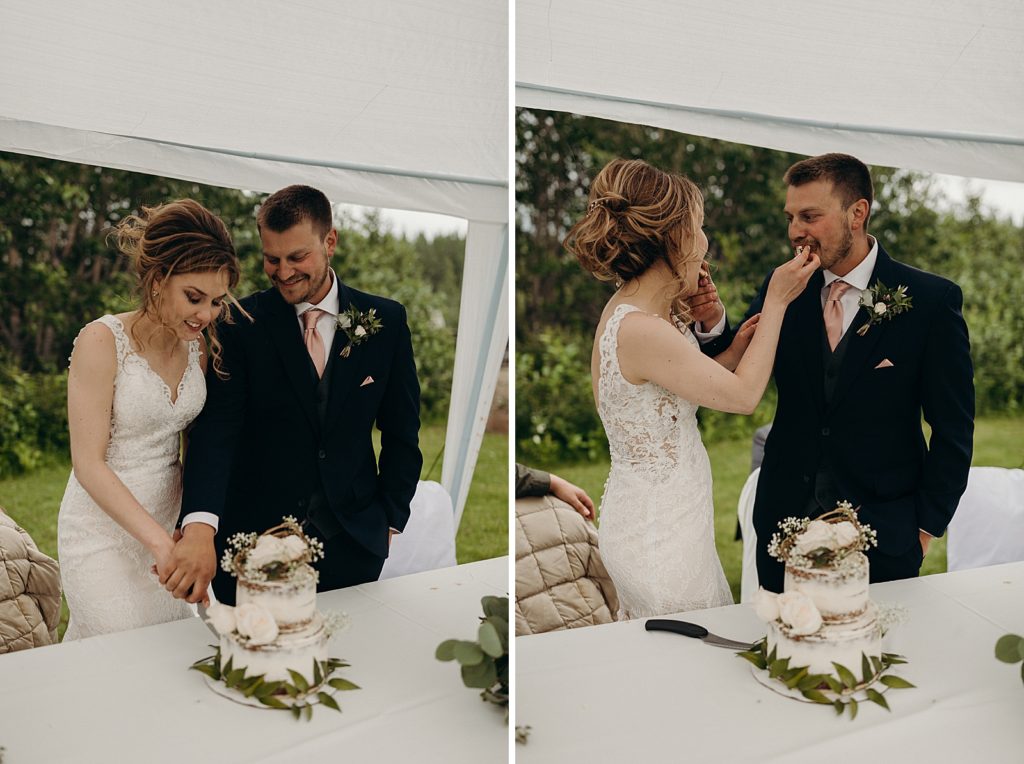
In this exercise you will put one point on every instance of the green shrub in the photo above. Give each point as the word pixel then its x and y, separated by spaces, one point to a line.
pixel 33 418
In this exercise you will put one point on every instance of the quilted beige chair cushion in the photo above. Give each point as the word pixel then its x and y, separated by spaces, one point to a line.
pixel 561 582
pixel 29 591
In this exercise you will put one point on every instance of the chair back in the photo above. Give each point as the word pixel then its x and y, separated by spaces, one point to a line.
pixel 745 516
pixel 428 541
pixel 988 527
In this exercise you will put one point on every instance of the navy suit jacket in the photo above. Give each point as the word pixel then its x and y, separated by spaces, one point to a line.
pixel 871 430
pixel 263 446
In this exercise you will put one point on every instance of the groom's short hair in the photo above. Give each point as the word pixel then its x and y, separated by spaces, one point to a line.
pixel 849 176
pixel 290 206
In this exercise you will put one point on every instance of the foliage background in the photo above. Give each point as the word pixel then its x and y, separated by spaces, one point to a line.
pixel 58 272
pixel 558 305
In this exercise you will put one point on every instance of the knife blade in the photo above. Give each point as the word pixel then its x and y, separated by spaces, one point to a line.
pixel 696 631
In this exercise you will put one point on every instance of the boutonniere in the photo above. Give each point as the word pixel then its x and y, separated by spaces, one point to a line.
pixel 358 326
pixel 882 304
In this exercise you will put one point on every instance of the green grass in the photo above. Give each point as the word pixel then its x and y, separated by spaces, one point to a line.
pixel 997 443
pixel 33 499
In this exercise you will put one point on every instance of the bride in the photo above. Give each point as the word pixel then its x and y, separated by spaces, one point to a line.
pixel 136 381
pixel 642 229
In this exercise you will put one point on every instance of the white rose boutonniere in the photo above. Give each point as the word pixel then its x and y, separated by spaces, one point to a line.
pixel 882 304
pixel 357 326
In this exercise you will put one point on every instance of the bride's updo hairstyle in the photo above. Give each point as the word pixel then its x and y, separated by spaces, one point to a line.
pixel 637 216
pixel 171 240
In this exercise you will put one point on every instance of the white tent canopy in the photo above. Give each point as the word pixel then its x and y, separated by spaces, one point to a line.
pixel 913 84
pixel 400 104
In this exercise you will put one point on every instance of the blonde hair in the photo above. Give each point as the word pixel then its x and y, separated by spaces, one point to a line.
pixel 638 215
pixel 173 239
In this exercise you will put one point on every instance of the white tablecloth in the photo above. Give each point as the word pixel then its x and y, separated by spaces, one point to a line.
pixel 129 697
pixel 617 693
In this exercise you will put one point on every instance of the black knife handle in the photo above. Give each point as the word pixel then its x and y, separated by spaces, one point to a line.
pixel 685 628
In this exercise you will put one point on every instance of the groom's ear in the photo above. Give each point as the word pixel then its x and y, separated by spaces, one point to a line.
pixel 331 241
pixel 859 214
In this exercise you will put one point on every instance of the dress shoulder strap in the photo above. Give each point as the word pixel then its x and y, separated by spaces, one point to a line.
pixel 120 336
pixel 609 342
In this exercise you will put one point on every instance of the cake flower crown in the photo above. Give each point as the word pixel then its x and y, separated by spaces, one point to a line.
pixel 273 555
pixel 823 542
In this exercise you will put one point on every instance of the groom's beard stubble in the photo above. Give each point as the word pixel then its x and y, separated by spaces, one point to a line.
pixel 831 256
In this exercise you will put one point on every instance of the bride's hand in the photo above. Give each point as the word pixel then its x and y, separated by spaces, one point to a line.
pixel 790 279
pixel 163 553
pixel 730 357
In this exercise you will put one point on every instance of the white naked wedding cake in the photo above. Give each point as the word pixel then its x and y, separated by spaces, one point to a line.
pixel 824 616
pixel 824 641
pixel 273 643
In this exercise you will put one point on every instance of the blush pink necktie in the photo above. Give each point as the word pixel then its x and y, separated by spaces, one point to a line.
pixel 834 312
pixel 314 342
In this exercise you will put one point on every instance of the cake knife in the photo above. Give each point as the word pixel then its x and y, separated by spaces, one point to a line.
pixel 688 629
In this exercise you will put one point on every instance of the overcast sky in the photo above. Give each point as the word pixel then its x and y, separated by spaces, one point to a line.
pixel 1004 197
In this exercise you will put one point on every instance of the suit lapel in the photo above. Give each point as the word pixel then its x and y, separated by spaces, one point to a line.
pixel 807 323
pixel 860 347
pixel 342 370
pixel 287 339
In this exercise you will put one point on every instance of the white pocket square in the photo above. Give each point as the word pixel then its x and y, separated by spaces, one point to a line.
pixel 369 381
pixel 885 363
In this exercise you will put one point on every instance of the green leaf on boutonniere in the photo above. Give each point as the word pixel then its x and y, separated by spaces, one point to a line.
pixel 882 303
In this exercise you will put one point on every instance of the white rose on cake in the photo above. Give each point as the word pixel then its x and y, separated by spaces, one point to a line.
pixel 268 549
pixel 819 535
pixel 799 612
pixel 294 548
pixel 845 534
pixel 766 604
pixel 221 617
pixel 256 623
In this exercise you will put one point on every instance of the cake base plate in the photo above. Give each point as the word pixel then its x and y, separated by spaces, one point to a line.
pixel 225 692
pixel 779 688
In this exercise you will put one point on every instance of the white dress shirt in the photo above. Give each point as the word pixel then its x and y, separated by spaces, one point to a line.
pixel 326 325
pixel 858 280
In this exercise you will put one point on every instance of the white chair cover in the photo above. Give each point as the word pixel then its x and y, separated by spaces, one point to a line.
pixel 428 541
pixel 745 514
pixel 988 527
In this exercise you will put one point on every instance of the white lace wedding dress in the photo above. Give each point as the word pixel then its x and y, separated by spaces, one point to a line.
pixel 105 572
pixel 657 536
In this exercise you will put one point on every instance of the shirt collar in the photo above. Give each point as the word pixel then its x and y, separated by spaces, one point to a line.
pixel 329 304
pixel 860 276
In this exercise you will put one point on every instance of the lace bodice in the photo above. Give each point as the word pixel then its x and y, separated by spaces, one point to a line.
pixel 145 421
pixel 657 516
pixel 647 426
pixel 105 572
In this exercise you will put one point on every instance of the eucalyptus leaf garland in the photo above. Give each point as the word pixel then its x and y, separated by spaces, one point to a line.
pixel 303 695
pixel 839 690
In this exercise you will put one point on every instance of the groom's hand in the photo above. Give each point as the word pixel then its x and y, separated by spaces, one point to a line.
pixel 705 306
pixel 195 562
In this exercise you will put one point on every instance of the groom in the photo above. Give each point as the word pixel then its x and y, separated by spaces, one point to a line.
pixel 850 399
pixel 289 432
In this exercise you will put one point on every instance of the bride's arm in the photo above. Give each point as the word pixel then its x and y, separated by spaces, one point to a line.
pixel 652 349
pixel 90 399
